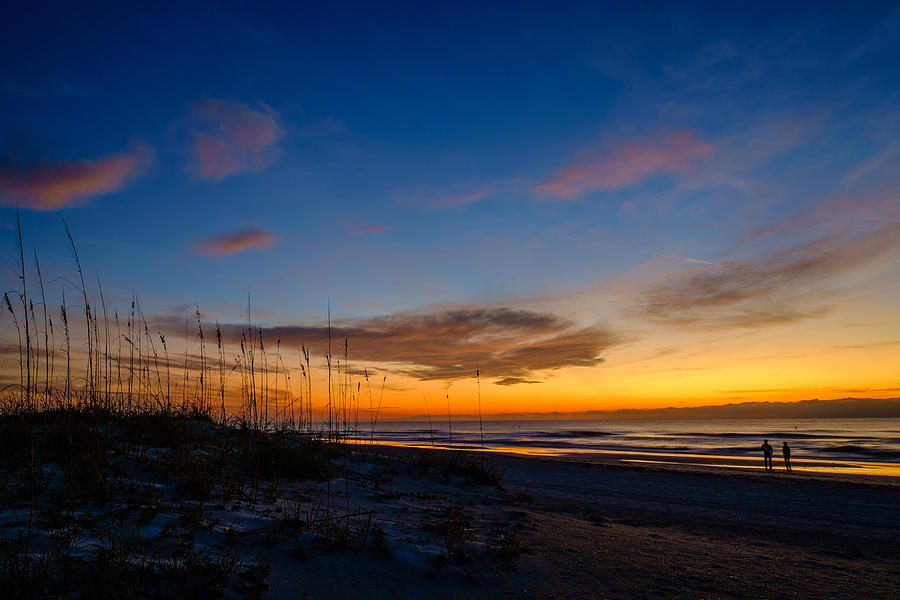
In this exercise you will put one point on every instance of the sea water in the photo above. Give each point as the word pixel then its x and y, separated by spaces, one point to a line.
pixel 842 445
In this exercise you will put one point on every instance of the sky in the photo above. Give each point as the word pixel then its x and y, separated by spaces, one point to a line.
pixel 596 206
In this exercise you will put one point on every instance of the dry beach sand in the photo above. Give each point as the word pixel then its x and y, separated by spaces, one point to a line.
pixel 607 529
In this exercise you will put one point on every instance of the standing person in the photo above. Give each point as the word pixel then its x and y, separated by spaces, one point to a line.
pixel 786 451
pixel 767 454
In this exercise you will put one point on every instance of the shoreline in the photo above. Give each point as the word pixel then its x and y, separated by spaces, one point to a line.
pixel 866 447
pixel 866 472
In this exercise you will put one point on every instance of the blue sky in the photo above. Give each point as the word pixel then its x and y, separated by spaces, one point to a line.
pixel 571 160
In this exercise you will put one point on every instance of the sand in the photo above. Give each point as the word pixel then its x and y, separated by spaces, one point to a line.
pixel 606 529
pixel 178 515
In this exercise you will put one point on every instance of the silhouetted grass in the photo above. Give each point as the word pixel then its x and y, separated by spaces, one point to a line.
pixel 460 463
pixel 278 458
pixel 122 436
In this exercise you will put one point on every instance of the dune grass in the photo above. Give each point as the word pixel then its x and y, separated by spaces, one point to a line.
pixel 122 467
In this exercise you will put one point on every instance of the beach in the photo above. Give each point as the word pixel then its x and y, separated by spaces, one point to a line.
pixel 184 507
pixel 590 529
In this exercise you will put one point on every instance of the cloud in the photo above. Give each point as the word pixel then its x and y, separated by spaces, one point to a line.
pixel 626 164
pixel 231 243
pixel 872 165
pixel 54 186
pixel 863 210
pixel 232 138
pixel 470 196
pixel 368 229
pixel 455 200
pixel 782 286
pixel 515 381
pixel 450 344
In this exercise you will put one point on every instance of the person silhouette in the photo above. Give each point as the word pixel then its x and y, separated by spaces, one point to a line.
pixel 786 451
pixel 767 454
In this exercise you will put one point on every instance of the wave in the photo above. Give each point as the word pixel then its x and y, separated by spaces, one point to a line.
pixel 777 434
pixel 585 433
pixel 874 452
pixel 853 440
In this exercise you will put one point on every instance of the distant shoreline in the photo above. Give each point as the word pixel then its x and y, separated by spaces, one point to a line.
pixel 843 408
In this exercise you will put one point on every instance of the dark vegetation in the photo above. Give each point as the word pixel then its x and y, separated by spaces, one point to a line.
pixel 109 505
pixel 124 474
pixel 446 463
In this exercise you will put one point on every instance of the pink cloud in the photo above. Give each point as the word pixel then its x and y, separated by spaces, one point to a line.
pixel 231 243
pixel 626 164
pixel 368 229
pixel 454 200
pixel 233 138
pixel 430 200
pixel 54 186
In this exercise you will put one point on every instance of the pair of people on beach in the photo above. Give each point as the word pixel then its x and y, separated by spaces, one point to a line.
pixel 767 455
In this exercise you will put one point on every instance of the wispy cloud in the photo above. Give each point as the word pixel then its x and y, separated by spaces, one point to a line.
pixel 231 243
pixel 687 259
pixel 57 185
pixel 503 343
pixel 515 381
pixel 465 196
pixel 627 163
pixel 461 199
pixel 232 138
pixel 871 165
pixel 368 229
pixel 854 210
pixel 781 286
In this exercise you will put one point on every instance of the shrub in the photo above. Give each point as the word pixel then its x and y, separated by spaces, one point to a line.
pixel 277 458
pixel 454 462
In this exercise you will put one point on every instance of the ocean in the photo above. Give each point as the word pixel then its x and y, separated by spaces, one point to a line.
pixel 870 446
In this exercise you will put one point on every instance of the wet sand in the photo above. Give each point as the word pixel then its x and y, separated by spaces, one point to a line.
pixel 604 528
